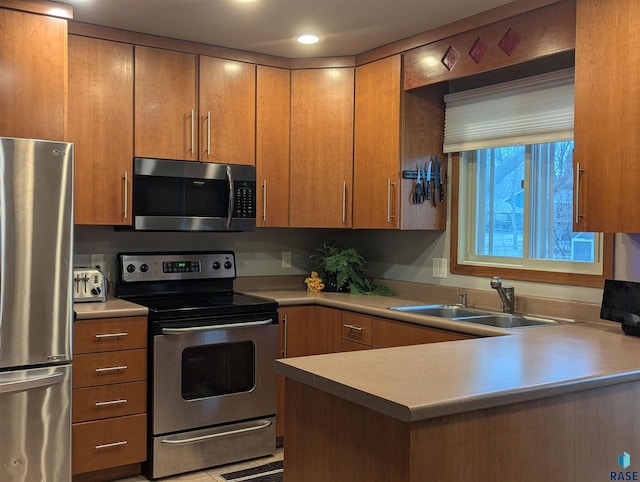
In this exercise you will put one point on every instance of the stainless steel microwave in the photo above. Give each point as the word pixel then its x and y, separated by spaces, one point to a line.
pixel 171 195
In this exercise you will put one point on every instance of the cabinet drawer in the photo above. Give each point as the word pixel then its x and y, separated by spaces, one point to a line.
pixel 357 327
pixel 109 401
pixel 106 368
pixel 109 334
pixel 353 346
pixel 108 443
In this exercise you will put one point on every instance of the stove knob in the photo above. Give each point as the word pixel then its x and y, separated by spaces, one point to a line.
pixel 131 268
pixel 227 264
pixel 144 267
pixel 216 265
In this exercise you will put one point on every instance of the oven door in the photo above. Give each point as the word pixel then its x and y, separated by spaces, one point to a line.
pixel 211 375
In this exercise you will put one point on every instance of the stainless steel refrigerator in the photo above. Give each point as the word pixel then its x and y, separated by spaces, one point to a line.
pixel 36 310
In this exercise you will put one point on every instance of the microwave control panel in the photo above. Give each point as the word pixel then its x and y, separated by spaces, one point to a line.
pixel 245 203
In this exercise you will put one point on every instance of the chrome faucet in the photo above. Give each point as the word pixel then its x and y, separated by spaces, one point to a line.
pixel 507 294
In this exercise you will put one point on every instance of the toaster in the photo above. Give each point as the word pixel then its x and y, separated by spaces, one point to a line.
pixel 89 284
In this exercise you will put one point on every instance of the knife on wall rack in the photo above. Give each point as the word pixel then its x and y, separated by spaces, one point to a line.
pixel 440 180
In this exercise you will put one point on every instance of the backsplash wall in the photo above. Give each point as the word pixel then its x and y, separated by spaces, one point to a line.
pixel 402 256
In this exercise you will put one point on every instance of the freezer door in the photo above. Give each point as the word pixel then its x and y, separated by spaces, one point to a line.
pixel 35 426
pixel 36 222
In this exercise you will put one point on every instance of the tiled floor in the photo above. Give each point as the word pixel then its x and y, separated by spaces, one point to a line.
pixel 213 474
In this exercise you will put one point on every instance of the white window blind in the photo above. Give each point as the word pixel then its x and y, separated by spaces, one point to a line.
pixel 526 111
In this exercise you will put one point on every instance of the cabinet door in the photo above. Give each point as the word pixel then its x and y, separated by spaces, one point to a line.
pixel 101 126
pixel 321 148
pixel 299 326
pixel 377 144
pixel 227 111
pixel 388 333
pixel 273 123
pixel 166 116
pixel 33 75
pixel 607 115
pixel 305 330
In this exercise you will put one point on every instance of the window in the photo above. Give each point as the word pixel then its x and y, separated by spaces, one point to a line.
pixel 512 161
pixel 519 209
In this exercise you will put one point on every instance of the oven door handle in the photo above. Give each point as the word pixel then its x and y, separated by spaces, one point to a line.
pixel 198 329
pixel 202 438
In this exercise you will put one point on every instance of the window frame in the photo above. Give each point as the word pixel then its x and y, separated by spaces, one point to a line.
pixel 535 275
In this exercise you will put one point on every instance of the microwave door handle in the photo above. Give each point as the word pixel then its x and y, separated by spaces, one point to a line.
pixel 231 197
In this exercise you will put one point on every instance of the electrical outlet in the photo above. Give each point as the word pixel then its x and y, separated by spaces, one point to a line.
pixel 100 261
pixel 97 261
pixel 286 259
pixel 440 269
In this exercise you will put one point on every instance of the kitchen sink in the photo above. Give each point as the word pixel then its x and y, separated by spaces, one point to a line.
pixel 443 311
pixel 511 321
pixel 472 315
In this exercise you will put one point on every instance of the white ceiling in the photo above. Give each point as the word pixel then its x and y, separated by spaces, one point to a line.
pixel 346 27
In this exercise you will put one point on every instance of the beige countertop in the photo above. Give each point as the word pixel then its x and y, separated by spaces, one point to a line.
pixel 112 308
pixel 424 381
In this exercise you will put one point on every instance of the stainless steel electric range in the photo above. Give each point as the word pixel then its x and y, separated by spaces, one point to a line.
pixel 212 387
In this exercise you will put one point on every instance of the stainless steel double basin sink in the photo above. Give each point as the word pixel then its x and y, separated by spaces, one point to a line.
pixel 473 315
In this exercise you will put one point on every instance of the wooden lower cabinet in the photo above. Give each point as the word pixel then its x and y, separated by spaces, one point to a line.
pixel 316 330
pixel 109 443
pixel 109 432
pixel 360 331
pixel 305 330
pixel 388 333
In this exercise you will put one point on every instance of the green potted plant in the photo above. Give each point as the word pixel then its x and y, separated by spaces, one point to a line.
pixel 343 270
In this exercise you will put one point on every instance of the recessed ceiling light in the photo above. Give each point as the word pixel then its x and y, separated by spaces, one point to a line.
pixel 308 39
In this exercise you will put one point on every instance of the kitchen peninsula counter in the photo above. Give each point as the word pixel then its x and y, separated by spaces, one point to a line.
pixel 539 403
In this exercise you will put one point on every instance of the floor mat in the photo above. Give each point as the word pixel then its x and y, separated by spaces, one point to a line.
pixel 271 472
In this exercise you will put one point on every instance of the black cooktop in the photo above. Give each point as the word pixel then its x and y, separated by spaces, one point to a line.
pixel 201 305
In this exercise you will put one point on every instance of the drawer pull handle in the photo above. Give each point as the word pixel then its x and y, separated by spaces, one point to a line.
pixel 100 336
pixel 111 369
pixel 114 444
pixel 354 328
pixel 259 426
pixel 111 402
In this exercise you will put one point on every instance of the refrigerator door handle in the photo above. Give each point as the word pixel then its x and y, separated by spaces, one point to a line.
pixel 30 383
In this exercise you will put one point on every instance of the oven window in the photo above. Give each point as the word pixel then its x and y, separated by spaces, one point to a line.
pixel 219 369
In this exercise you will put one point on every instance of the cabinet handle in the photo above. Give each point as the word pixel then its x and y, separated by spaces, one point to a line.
pixel 359 329
pixel 208 133
pixel 389 200
pixel 125 194
pixel 111 369
pixel 114 444
pixel 110 402
pixel 100 336
pixel 579 171
pixel 284 323
pixel 264 200
pixel 193 130
pixel 344 202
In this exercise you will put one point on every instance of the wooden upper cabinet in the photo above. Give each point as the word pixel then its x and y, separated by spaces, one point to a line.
pixel 377 144
pixel 607 116
pixel 227 111
pixel 101 126
pixel 273 124
pixel 321 148
pixel 33 75
pixel 166 107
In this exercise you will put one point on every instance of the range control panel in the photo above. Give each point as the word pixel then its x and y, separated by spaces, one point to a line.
pixel 140 267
